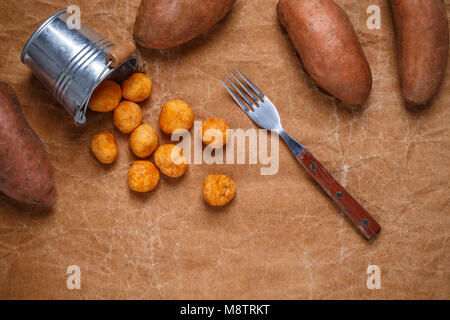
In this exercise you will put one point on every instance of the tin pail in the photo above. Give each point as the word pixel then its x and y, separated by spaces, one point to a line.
pixel 71 63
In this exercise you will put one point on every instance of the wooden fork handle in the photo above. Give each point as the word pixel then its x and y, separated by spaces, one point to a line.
pixel 357 214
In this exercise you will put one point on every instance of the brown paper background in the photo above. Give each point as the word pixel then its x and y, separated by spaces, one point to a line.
pixel 280 237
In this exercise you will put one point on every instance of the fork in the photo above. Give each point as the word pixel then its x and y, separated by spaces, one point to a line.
pixel 263 112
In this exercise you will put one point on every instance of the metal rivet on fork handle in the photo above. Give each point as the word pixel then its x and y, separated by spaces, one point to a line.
pixel 339 195
pixel 313 166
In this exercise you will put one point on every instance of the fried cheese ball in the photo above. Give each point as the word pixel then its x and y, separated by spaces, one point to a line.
pixel 210 130
pixel 106 97
pixel 176 114
pixel 218 190
pixel 170 160
pixel 143 141
pixel 104 147
pixel 137 87
pixel 127 116
pixel 143 176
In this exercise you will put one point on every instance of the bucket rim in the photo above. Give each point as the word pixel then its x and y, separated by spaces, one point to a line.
pixel 36 33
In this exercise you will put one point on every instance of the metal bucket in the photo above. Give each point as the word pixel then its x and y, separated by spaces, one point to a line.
pixel 71 63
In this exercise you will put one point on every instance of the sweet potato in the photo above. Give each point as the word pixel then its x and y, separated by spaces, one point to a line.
pixel 25 171
pixel 162 24
pixel 329 48
pixel 422 42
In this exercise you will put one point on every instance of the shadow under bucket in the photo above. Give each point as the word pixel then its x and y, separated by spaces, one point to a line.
pixel 71 63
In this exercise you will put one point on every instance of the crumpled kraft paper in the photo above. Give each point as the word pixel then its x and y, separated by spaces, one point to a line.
pixel 281 237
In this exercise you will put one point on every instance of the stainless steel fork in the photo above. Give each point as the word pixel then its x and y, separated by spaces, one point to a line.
pixel 262 111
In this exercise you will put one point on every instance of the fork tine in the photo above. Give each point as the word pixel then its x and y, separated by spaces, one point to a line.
pixel 251 95
pixel 251 84
pixel 250 103
pixel 235 97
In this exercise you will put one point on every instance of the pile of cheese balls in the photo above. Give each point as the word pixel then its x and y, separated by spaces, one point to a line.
pixel 143 176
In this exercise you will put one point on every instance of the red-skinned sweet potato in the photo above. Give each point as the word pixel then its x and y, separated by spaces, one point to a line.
pixel 422 42
pixel 162 24
pixel 329 48
pixel 25 171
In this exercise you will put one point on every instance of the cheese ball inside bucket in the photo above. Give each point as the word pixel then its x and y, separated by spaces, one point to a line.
pixel 218 190
pixel 143 176
pixel 106 97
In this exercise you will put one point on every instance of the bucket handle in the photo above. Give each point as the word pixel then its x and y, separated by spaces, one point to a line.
pixel 121 52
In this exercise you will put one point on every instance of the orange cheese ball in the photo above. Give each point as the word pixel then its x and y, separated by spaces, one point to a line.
pixel 104 147
pixel 176 114
pixel 127 116
pixel 143 141
pixel 170 160
pixel 106 97
pixel 210 130
pixel 218 190
pixel 137 87
pixel 143 176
